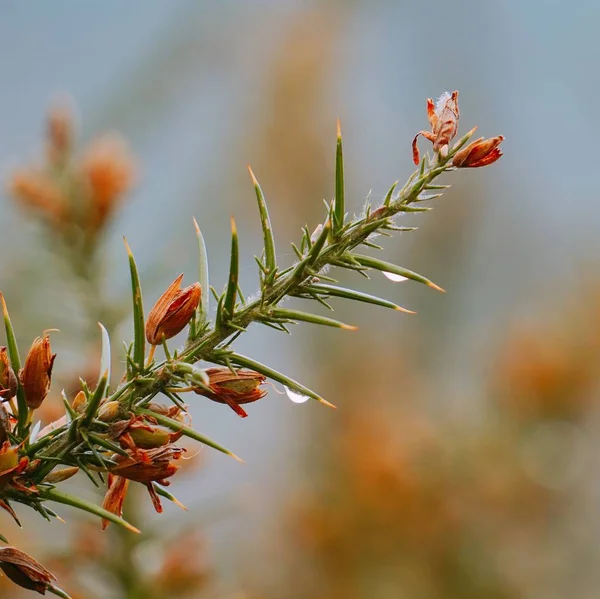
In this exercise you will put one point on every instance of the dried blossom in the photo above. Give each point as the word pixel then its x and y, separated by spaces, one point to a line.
pixel 172 312
pixel 108 169
pixel 37 373
pixel 34 189
pixel 443 117
pixel 23 570
pixel 5 426
pixel 143 466
pixel 152 465
pixel 481 152
pixel 234 389
pixel 115 496
pixel 8 379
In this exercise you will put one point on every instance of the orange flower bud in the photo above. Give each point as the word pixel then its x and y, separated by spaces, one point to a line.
pixel 481 152
pixel 36 190
pixel 58 476
pixel 109 170
pixel 24 571
pixel 172 312
pixel 79 402
pixel 108 411
pixel 234 389
pixel 443 117
pixel 37 372
pixel 8 380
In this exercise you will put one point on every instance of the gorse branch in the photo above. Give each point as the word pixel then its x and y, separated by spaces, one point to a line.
pixel 116 436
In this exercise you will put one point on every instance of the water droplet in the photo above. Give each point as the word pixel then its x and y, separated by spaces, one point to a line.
pixel 394 277
pixel 295 396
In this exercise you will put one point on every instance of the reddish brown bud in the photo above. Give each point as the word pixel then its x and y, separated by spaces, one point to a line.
pixel 172 312
pixel 8 380
pixel 234 389
pixel 37 372
pixel 443 117
pixel 24 571
pixel 5 426
pixel 62 474
pixel 481 152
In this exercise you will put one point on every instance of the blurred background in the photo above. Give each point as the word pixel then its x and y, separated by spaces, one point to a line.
pixel 462 461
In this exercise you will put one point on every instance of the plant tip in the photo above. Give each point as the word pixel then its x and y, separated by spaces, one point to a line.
pixel 196 225
pixel 254 181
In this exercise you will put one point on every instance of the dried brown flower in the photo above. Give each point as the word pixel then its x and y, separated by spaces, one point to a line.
pixel 8 379
pixel 148 465
pixel 115 496
pixel 143 466
pixel 37 372
pixel 108 169
pixel 234 389
pixel 481 152
pixel 172 312
pixel 23 570
pixel 443 117
pixel 34 189
pixel 5 426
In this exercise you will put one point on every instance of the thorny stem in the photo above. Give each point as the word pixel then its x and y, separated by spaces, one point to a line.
pixel 301 274
pixel 159 377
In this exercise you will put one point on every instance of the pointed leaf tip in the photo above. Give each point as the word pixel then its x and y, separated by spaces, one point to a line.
pixel 405 310
pixel 339 129
pixel 348 327
pixel 436 287
pixel 196 227
pixel 254 180
pixel 129 252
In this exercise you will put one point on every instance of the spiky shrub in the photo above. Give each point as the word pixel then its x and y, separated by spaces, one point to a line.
pixel 123 434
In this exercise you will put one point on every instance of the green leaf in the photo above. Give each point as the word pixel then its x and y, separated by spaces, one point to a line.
pixel 53 494
pixel 270 260
pixel 283 314
pixel 203 307
pixel 94 403
pixel 246 362
pixel 186 430
pixel 232 284
pixel 15 361
pixel 317 246
pixel 339 212
pixel 58 592
pixel 139 337
pixel 164 493
pixel 351 294
pixel 388 196
pixel 369 262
